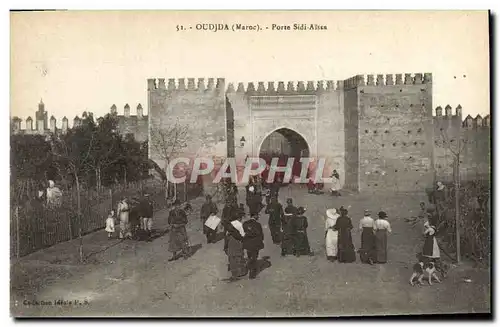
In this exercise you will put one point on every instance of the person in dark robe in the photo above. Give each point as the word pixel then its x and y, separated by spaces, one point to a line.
pixel 301 241
pixel 250 189
pixel 135 219
pixel 275 189
pixel 275 211
pixel 207 209
pixel 146 214
pixel 254 200
pixel 382 227
pixel 241 212
pixel 346 252
pixel 287 244
pixel 234 247
pixel 230 212
pixel 311 186
pixel 367 251
pixel 178 241
pixel 253 242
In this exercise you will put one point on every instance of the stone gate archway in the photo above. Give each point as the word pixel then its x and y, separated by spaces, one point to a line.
pixel 284 143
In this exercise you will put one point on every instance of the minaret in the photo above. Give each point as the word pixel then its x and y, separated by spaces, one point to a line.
pixel 41 116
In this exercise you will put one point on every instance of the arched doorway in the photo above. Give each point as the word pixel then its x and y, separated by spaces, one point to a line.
pixel 283 144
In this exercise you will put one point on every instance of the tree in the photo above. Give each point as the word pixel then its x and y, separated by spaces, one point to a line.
pixel 107 150
pixel 30 157
pixel 72 153
pixel 167 142
pixel 455 146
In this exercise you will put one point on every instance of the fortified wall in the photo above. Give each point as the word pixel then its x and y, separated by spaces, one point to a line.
pixel 199 107
pixel 311 109
pixel 394 132
pixel 470 138
pixel 137 125
pixel 377 131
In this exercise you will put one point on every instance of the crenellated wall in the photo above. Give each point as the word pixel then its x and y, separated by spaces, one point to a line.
pixel 376 130
pixel 136 125
pixel 351 127
pixel 312 109
pixel 127 123
pixel 192 104
pixel 395 131
pixel 470 137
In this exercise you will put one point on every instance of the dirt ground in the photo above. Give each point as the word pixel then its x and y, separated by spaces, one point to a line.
pixel 135 278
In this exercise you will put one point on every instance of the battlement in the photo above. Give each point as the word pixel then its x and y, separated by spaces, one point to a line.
pixel 126 111
pixel 468 122
pixel 387 80
pixel 477 122
pixel 448 112
pixel 30 126
pixel 180 84
pixel 282 87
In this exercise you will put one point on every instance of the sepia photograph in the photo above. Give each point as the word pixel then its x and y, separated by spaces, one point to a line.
pixel 205 164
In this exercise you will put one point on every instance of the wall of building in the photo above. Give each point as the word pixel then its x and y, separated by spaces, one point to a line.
pixel 351 126
pixel 311 109
pixel 136 125
pixel 475 147
pixel 198 107
pixel 331 129
pixel 395 133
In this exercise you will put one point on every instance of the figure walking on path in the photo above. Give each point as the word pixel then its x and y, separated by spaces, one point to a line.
pixel 123 213
pixel 431 248
pixel 253 242
pixel 207 209
pixel 301 242
pixel 147 212
pixel 110 224
pixel 382 227
pixel 331 234
pixel 178 241
pixel 335 187
pixel 367 251
pixel 275 211
pixel 346 253
pixel 287 246
pixel 234 247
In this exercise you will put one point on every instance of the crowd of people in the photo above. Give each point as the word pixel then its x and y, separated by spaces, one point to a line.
pixel 243 234
pixel 134 216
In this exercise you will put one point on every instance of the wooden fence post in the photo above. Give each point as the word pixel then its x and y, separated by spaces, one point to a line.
pixel 111 198
pixel 18 242
pixel 185 192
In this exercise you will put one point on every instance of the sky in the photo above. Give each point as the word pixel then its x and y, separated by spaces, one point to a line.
pixel 88 60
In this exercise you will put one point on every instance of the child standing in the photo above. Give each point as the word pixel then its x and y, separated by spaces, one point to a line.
pixel 110 224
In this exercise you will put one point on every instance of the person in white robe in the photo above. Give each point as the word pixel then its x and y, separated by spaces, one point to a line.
pixel 110 224
pixel 331 235
pixel 335 185
pixel 123 213
pixel 431 248
pixel 54 195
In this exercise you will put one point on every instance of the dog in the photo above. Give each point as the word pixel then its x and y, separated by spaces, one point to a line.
pixel 418 272
pixel 421 270
pixel 441 266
